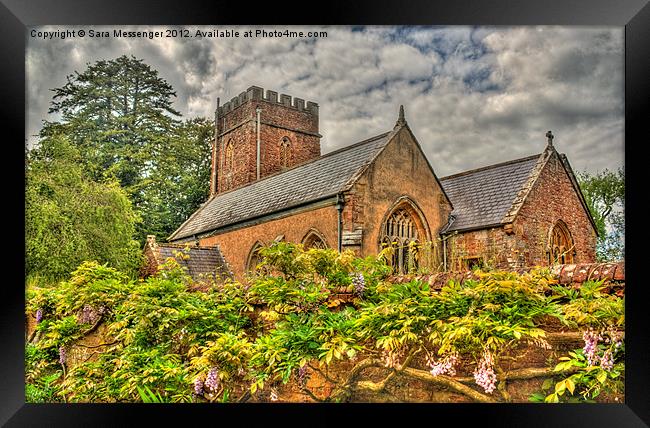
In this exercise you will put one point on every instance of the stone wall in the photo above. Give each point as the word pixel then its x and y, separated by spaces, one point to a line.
pixel 400 171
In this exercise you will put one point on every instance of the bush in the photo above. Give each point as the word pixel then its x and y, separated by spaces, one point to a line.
pixel 168 344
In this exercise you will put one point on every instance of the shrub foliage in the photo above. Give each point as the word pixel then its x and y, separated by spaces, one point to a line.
pixel 170 344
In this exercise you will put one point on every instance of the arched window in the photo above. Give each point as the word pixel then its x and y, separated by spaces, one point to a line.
pixel 254 257
pixel 400 231
pixel 228 165
pixel 560 246
pixel 314 239
pixel 285 152
pixel 229 157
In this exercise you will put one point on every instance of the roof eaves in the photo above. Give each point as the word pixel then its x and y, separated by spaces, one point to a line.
pixel 574 181
pixel 353 179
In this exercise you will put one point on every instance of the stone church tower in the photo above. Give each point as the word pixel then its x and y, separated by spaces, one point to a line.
pixel 257 134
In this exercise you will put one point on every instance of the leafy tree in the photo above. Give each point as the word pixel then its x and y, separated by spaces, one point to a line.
pixel 71 218
pixel 604 193
pixel 180 181
pixel 119 114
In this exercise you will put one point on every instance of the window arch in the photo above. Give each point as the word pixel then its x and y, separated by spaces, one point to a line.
pixel 400 231
pixel 254 257
pixel 561 248
pixel 285 152
pixel 314 239
pixel 229 156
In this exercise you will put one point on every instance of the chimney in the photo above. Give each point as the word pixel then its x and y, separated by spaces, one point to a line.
pixel 151 240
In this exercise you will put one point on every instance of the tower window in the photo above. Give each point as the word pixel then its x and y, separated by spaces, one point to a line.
pixel 285 152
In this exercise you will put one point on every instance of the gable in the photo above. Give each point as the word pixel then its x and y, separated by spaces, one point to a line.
pixel 483 197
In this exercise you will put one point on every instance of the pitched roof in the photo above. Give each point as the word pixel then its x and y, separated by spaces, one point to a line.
pixel 201 262
pixel 482 197
pixel 311 181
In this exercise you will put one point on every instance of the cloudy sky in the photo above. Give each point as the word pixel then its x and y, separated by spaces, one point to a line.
pixel 473 95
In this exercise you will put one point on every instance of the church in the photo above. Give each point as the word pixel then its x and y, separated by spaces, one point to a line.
pixel 269 182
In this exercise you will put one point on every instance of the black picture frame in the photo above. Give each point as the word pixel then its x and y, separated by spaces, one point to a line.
pixel 16 15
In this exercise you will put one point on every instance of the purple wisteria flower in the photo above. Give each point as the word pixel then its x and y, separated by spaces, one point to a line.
pixel 302 376
pixel 359 283
pixel 484 374
pixel 198 386
pixel 62 355
pixel 88 315
pixel 39 315
pixel 443 366
pixel 212 380
pixel 607 360
pixel 590 349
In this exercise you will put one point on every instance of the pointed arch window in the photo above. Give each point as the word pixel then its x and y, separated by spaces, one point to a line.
pixel 561 249
pixel 400 231
pixel 314 239
pixel 285 152
pixel 229 157
pixel 254 257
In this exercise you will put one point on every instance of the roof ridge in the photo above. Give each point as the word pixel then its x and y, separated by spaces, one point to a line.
pixel 496 165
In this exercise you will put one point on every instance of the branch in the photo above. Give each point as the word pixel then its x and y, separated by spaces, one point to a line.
pixel 312 396
pixel 96 346
pixel 380 386
pixel 448 382
pixel 343 391
pixel 519 374
pixel 94 327
pixel 316 369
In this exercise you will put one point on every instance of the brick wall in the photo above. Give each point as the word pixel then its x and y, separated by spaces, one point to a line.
pixel 236 245
pixel 553 198
pixel 284 118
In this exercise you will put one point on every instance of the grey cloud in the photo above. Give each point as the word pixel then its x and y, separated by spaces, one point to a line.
pixel 473 96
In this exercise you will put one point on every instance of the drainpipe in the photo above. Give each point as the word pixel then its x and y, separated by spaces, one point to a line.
pixel 340 203
pixel 258 111
pixel 444 236
pixel 444 254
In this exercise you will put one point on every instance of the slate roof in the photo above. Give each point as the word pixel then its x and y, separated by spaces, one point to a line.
pixel 483 196
pixel 202 261
pixel 316 179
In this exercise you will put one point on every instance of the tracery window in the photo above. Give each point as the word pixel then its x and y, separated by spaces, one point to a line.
pixel 254 257
pixel 560 247
pixel 285 152
pixel 400 232
pixel 314 240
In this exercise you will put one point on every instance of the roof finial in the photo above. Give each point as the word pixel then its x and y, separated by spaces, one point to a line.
pixel 400 120
pixel 549 138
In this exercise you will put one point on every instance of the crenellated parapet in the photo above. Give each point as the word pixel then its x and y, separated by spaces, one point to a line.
pixel 259 94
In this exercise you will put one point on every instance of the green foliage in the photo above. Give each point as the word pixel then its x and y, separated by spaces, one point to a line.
pixel 118 114
pixel 586 384
pixel 69 218
pixel 168 344
pixel 604 193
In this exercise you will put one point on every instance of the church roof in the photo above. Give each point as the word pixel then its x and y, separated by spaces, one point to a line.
pixel 314 180
pixel 483 197
pixel 201 262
